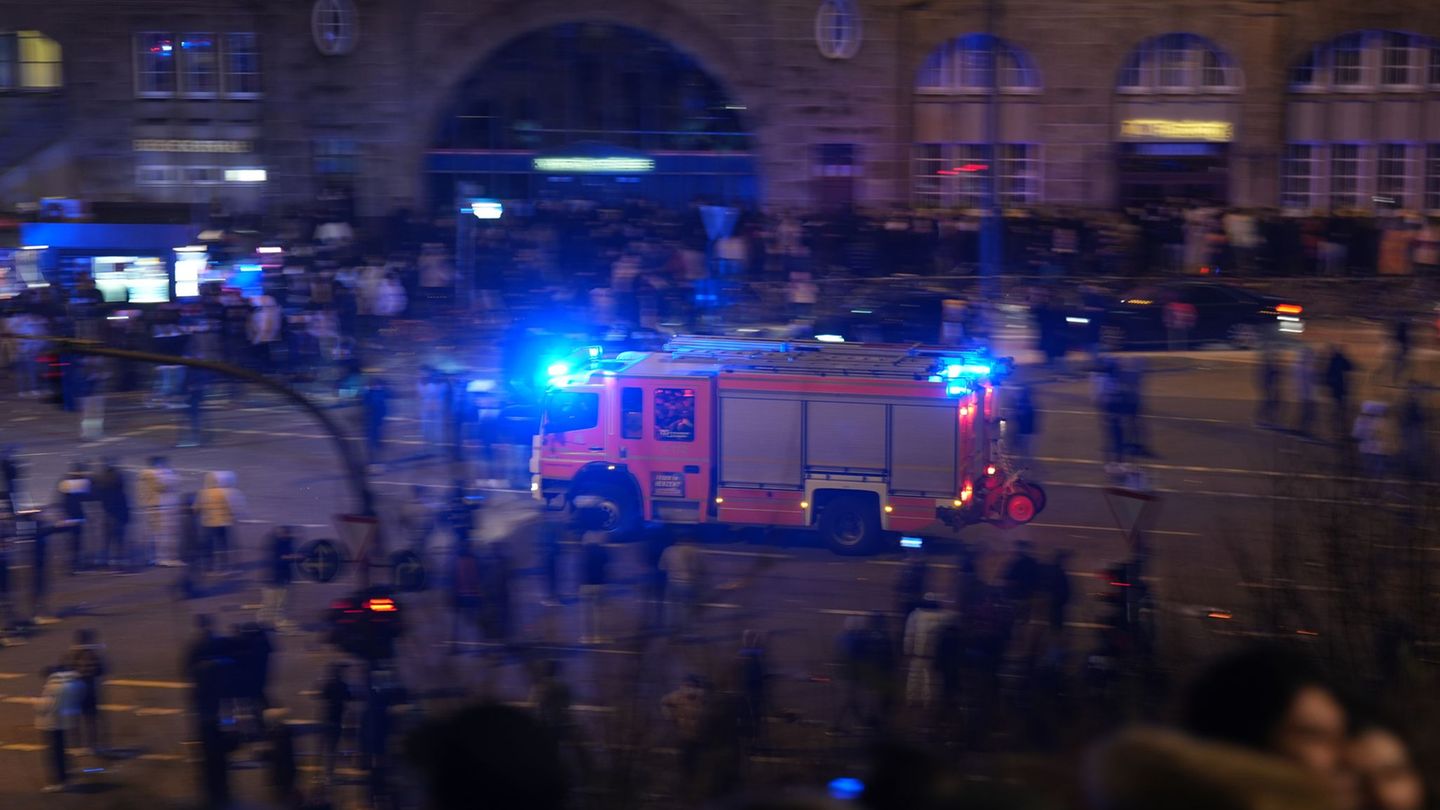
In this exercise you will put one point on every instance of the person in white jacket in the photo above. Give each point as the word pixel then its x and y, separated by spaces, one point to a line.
pixel 159 504
pixel 922 637
pixel 56 713
pixel 220 506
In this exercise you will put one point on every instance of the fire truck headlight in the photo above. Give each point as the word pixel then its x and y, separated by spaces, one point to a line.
pixel 889 508
pixel 804 504
pixel 958 502
pixel 719 500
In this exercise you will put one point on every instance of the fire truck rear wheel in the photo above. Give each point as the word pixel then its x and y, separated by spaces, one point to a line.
pixel 1036 493
pixel 616 509
pixel 850 525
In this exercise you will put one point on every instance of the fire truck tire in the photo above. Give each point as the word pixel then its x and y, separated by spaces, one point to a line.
pixel 621 516
pixel 1020 508
pixel 1036 493
pixel 850 525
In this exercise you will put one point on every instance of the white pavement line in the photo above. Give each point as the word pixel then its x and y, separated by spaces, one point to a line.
pixel 842 612
pixel 582 707
pixel 548 648
pixel 1090 462
pixel 162 757
pixel 11 676
pixel 156 712
pixel 1275 586
pixel 1150 416
pixel 143 684
pixel 761 554
pixel 1249 496
pixel 721 605
pixel 1075 527
pixel 20 699
pixel 23 747
pixel 118 707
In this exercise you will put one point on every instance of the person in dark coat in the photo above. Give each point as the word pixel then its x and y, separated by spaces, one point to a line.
pixel 1337 382
pixel 375 404
pixel 72 492
pixel 112 490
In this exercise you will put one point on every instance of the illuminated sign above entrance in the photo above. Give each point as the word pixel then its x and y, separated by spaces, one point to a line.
pixel 1169 130
pixel 593 165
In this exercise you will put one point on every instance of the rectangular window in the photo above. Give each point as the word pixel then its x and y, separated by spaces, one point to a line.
pixel 934 73
pixel 1434 65
pixel 1174 60
pixel 1131 76
pixel 1345 176
pixel 1348 54
pixel 1432 177
pixel 39 61
pixel 675 414
pixel 571 410
pixel 975 68
pixel 632 418
pixel 1214 72
pixel 337 156
pixel 155 65
pixel 1398 61
pixel 1391 162
pixel 242 65
pixel 1019 181
pixel 929 162
pixel 9 62
pixel 155 175
pixel 201 65
pixel 1299 179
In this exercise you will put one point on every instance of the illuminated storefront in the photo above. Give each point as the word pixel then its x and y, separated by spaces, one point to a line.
pixel 138 264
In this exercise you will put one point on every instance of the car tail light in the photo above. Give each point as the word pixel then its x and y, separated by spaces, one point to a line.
pixel 1289 309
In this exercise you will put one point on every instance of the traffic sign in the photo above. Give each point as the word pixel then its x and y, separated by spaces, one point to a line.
pixel 408 571
pixel 320 560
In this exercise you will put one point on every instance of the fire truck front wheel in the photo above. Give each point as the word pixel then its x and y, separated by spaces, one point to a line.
pixel 611 507
pixel 850 524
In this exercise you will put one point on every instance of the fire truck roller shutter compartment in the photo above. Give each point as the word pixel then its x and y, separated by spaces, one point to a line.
pixel 760 442
pixel 923 446
pixel 845 436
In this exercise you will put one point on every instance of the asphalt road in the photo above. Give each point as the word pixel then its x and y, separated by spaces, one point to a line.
pixel 1223 484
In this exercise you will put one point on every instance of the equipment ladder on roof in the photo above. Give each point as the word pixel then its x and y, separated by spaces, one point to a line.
pixel 897 361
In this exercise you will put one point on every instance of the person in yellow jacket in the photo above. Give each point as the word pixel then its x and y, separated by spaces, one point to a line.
pixel 220 506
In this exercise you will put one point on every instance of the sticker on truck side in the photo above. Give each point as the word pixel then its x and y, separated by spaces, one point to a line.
pixel 667 485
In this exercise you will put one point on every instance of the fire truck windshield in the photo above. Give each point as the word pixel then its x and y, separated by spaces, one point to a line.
pixel 571 410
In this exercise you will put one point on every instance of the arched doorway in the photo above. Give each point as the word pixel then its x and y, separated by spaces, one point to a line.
pixel 591 111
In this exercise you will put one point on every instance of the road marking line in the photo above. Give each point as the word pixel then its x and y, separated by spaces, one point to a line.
pixel 24 747
pixel 1109 529
pixel 161 757
pixel 547 647
pixel 117 707
pixel 139 684
pixel 1151 416
pixel 842 612
pixel 11 676
pixel 157 712
pixel 761 554
pixel 21 699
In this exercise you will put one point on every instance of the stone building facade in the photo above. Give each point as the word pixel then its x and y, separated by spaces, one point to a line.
pixel 875 102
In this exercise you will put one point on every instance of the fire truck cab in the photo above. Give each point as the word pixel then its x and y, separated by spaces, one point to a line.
pixel 858 441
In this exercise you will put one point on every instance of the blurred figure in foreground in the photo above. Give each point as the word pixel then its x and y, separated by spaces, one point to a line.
pixel 1385 769
pixel 490 756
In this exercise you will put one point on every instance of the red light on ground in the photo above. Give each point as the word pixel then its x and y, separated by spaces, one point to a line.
pixel 380 605
pixel 972 167
pixel 1219 614
pixel 1306 633
pixel 1289 309
pixel 1118 584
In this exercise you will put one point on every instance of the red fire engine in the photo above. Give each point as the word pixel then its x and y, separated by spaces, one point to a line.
pixel 859 441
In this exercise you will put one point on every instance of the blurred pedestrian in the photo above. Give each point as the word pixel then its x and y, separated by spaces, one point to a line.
pixel 12 478
pixel 1372 439
pixel 465 593
pixel 1180 317
pixel 1055 585
pixel 158 496
pixel 552 699
pixel 497 609
pixel 1022 581
pixel 910 586
pixel 279 572
pixel 654 580
pixel 1267 413
pixel 1277 703
pixel 753 678
pixel 1386 769
pixel 56 714
pixel 112 490
pixel 922 634
pixel 375 407
pixel 86 658
pixel 280 757
pixel 1110 403
pixel 46 526
pixel 220 506
pixel 90 395
pixel 335 697
pixel 431 392
pixel 193 432
pixel 1024 426
pixel 1399 348
pixel 687 709
pixel 73 491
pixel 1302 376
pixel 594 579
pixel 1415 446
pixel 684 574
pixel 1130 381
pixel 1337 382
pixel 417 519
pixel 550 538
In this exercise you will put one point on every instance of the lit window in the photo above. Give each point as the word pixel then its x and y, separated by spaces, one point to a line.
pixel 964 66
pixel 929 188
pixel 1347 61
pixel 1399 60
pixel 1305 75
pixel 337 156
pixel 156 175
pixel 334 26
pixel 1391 162
pixel 39 61
pixel 9 61
pixel 954 175
pixel 1019 180
pixel 1432 177
pixel 155 58
pixel 200 64
pixel 1345 176
pixel 1298 180
pixel 1178 63
pixel 837 29
pixel 242 65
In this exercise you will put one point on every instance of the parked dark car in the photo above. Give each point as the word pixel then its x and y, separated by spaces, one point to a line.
pixel 1224 314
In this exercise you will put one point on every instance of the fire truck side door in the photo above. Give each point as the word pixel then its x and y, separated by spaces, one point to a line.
pixel 664 440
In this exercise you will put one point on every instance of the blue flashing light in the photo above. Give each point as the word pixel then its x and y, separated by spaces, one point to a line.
pixel 830 338
pixel 976 369
pixel 558 369
pixel 846 788
pixel 935 378
pixel 955 389
pixel 953 370
pixel 594 352
pixel 912 542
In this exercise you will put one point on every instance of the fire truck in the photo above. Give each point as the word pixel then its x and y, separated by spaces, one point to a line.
pixel 861 442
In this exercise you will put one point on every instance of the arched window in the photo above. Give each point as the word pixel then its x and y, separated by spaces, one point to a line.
pixel 29 60
pixel 1391 61
pixel 1179 63
pixel 962 65
pixel 837 29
